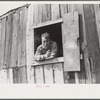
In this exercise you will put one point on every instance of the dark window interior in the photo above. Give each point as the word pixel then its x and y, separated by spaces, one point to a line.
pixel 55 33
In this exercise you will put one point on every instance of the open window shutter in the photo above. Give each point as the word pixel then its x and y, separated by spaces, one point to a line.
pixel 70 35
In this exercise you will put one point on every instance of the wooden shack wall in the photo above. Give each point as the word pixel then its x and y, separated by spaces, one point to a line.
pixel 13 46
pixel 89 37
pixel 17 44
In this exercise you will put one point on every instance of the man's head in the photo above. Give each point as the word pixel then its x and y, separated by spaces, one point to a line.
pixel 45 40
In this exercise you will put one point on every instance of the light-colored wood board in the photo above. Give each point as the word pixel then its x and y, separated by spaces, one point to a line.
pixel 79 8
pixel 46 12
pixel 39 75
pixel 70 34
pixel 3 77
pixel 55 12
pixel 10 40
pixel 76 78
pixel 32 76
pixel 63 9
pixel 22 16
pixel 9 76
pixel 48 74
pixel 20 38
pixel 49 61
pixel 14 42
pixel 35 13
pixel 97 16
pixel 40 11
pixel 2 42
pixel 22 74
pixel 51 22
pixel 28 59
pixel 6 76
pixel 19 75
pixel 17 38
pixel 29 42
pixel 24 36
pixel 58 73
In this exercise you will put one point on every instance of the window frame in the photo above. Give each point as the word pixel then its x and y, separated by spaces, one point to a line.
pixel 54 60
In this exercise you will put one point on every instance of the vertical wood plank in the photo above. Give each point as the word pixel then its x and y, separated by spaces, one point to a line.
pixel 46 12
pixel 64 10
pixel 10 40
pixel 92 39
pixel 91 29
pixel 97 16
pixel 3 76
pixel 9 76
pixel 32 75
pixel 35 13
pixel 2 42
pixel 22 74
pixel 20 38
pixel 58 73
pixel 14 42
pixel 70 32
pixel 76 78
pixel 82 36
pixel 17 39
pixel 24 36
pixel 48 74
pixel 29 42
pixel 20 60
pixel 39 74
pixel 19 75
pixel 6 76
pixel 40 11
pixel 55 12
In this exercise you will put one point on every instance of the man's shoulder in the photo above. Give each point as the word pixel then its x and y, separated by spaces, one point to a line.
pixel 53 43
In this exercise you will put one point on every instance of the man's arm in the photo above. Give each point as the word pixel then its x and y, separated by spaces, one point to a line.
pixel 54 50
pixel 38 55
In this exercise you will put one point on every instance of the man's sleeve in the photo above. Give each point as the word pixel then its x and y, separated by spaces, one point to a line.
pixel 38 55
pixel 54 50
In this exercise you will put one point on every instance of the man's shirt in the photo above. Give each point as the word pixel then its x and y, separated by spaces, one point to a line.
pixel 40 52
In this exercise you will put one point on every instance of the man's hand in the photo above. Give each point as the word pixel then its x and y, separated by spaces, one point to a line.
pixel 47 55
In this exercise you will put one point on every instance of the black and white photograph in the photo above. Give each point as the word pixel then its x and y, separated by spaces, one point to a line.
pixel 44 44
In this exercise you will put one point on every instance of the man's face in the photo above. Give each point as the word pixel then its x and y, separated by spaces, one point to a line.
pixel 45 42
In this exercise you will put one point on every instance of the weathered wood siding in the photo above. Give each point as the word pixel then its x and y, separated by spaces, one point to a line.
pixel 13 46
pixel 89 43
pixel 17 45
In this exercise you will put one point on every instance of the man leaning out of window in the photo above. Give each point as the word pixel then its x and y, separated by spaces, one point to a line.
pixel 47 50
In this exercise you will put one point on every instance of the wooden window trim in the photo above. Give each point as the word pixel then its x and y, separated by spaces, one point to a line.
pixel 54 60
pixel 60 20
pixel 49 61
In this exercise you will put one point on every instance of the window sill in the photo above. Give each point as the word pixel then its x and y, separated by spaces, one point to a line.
pixel 49 61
